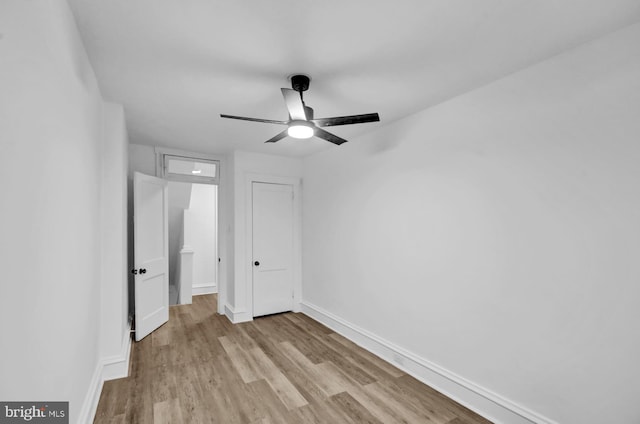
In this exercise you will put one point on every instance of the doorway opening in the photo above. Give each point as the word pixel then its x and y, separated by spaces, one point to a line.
pixel 193 240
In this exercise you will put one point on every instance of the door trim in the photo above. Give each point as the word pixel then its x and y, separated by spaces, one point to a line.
pixel 295 182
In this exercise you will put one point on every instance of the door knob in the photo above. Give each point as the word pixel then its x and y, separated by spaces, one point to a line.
pixel 134 271
pixel 256 263
pixel 143 271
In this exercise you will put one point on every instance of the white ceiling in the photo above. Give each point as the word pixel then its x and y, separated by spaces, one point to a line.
pixel 177 64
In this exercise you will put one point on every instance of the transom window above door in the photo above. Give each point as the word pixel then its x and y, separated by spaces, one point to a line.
pixel 180 168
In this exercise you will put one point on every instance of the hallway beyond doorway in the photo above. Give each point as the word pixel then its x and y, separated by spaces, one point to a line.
pixel 193 240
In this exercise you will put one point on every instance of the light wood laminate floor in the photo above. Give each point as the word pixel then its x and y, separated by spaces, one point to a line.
pixel 287 368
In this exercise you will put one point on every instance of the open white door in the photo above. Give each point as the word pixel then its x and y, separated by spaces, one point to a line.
pixel 272 248
pixel 150 229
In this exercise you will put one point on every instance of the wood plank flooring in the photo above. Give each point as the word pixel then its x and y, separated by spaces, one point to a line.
pixel 287 368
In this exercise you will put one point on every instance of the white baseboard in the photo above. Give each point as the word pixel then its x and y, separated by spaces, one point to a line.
pixel 90 404
pixel 237 316
pixel 118 366
pixel 206 288
pixel 483 401
pixel 108 368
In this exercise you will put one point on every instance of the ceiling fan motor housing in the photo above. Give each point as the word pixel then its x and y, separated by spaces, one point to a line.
pixel 300 83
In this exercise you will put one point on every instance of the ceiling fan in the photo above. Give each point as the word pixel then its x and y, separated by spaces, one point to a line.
pixel 301 123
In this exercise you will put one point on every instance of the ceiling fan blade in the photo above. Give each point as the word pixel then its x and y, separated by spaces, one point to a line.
pixel 294 104
pixel 346 120
pixel 244 118
pixel 277 137
pixel 326 135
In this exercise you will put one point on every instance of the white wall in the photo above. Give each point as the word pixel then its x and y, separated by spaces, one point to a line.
pixel 179 198
pixel 497 235
pixel 201 235
pixel 53 131
pixel 114 287
pixel 226 287
pixel 241 165
pixel 141 159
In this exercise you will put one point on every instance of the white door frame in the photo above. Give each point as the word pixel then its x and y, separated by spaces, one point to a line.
pixel 222 218
pixel 250 178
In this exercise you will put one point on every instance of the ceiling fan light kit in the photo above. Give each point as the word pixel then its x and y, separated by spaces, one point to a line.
pixel 300 129
pixel 301 123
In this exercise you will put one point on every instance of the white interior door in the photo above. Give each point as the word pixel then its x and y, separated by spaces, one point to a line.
pixel 150 228
pixel 272 248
